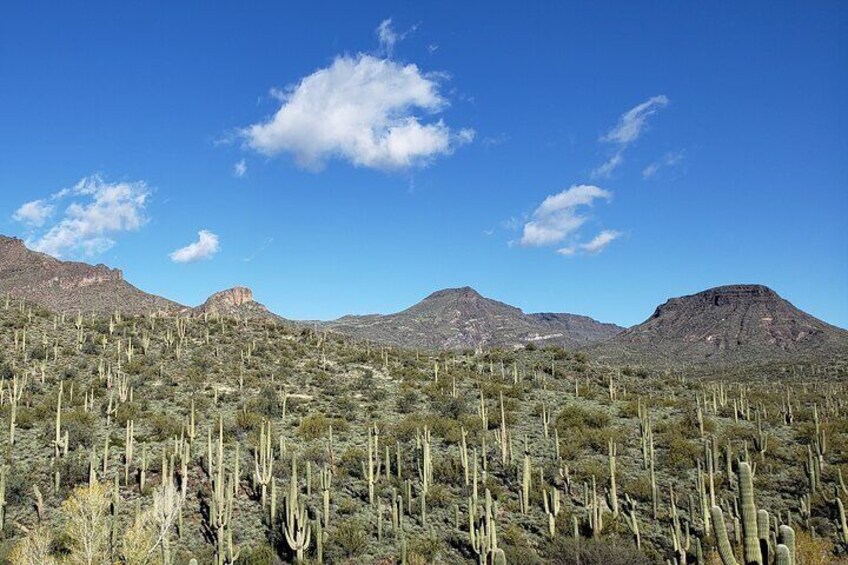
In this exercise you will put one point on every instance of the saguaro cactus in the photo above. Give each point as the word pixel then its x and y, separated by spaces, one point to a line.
pixel 748 509
pixel 296 528
pixel 725 550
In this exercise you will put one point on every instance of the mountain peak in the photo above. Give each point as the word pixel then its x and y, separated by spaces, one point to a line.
pixel 727 323
pixel 461 318
pixel 462 292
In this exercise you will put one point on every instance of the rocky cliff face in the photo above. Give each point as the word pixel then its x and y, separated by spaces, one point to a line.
pixel 461 318
pixel 71 286
pixel 235 302
pixel 727 324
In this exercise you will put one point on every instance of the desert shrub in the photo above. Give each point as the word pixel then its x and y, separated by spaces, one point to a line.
pixel 577 417
pixel 407 401
pixel 564 550
pixel 126 412
pixel 38 352
pixel 314 426
pixel 351 460
pixel 515 546
pixel 260 555
pixel 815 551
pixel 349 539
pixel 80 426
pixel 427 548
pixel 639 487
pixel 268 402
pixel 163 426
pixel 348 408
pixel 680 453
pixel 248 421
pixel 452 408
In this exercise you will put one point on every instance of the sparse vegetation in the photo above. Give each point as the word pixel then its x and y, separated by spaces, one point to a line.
pixel 161 439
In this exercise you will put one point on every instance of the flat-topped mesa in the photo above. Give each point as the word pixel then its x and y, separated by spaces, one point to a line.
pixel 727 324
pixel 723 296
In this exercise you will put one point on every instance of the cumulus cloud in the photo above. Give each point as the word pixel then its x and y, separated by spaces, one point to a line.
pixel 240 169
pixel 98 211
pixel 629 128
pixel 35 213
pixel 560 215
pixel 369 111
pixel 632 123
pixel 205 247
pixel 593 246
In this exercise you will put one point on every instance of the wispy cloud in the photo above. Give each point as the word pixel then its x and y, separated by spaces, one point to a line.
pixel 96 212
pixel 205 247
pixel 593 246
pixel 388 37
pixel 605 169
pixel 560 215
pixel 493 140
pixel 240 169
pixel 265 245
pixel 669 160
pixel 631 125
pixel 370 111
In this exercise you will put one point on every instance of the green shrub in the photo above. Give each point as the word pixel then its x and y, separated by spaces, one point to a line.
pixel 349 539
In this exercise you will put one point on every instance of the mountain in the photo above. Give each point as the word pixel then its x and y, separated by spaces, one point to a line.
pixel 70 286
pixel 235 302
pixel 460 318
pixel 745 323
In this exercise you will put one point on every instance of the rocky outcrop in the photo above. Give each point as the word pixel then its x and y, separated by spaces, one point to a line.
pixel 235 302
pixel 69 285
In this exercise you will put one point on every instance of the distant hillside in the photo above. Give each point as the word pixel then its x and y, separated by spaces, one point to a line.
pixel 71 286
pixel 460 318
pixel 726 325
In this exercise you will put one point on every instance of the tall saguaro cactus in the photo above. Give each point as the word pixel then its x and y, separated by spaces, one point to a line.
pixel 748 509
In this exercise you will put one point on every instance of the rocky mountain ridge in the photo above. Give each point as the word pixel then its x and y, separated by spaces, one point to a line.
pixel 461 318
pixel 71 286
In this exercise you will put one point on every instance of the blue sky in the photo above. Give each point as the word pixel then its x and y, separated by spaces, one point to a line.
pixel 588 158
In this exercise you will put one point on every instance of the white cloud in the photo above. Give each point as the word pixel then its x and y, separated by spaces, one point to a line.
pixel 593 246
pixel 205 247
pixel 669 160
pixel 389 37
pixel 632 123
pixel 560 215
pixel 606 169
pixel 629 128
pixel 240 169
pixel 651 170
pixel 34 213
pixel 99 210
pixel 362 109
